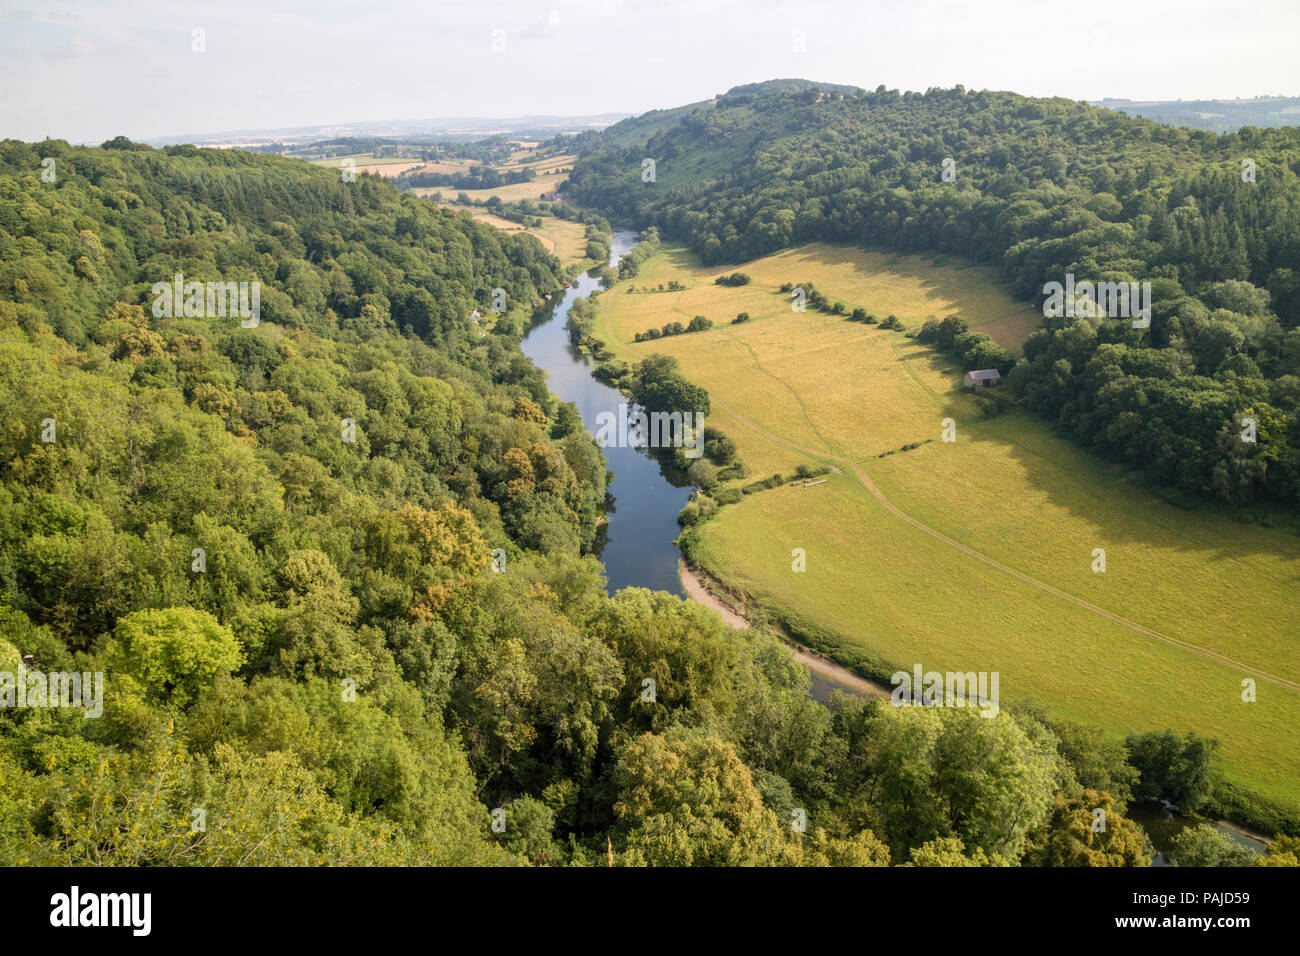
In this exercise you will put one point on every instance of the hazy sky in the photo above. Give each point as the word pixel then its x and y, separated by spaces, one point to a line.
pixel 86 71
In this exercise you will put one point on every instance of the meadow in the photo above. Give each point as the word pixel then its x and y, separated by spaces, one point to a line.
pixel 976 554
pixel 565 240
pixel 551 172
pixel 388 167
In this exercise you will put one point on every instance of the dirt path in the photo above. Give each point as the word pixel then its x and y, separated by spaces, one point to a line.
pixel 1056 592
pixel 693 583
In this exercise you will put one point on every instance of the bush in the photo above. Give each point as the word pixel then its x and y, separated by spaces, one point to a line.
pixel 696 510
pixel 701 472
pixel 763 485
pixel 720 448
pixel 1230 802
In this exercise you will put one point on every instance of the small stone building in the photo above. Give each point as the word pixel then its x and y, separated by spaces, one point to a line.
pixel 982 377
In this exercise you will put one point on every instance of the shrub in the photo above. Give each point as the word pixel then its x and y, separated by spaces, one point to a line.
pixel 689 514
pixel 701 472
pixel 720 448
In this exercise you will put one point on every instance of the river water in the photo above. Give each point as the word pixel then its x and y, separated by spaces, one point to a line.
pixel 636 545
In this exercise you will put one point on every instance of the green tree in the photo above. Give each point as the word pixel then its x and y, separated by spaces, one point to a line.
pixel 1206 845
pixel 175 653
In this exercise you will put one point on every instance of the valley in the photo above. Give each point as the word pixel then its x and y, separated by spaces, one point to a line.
pixel 975 553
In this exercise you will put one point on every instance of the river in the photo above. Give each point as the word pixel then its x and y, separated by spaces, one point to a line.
pixel 636 544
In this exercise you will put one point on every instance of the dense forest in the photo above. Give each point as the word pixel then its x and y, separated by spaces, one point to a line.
pixel 334 566
pixel 1044 189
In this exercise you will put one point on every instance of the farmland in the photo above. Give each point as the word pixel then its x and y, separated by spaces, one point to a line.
pixel 562 238
pixel 976 554
pixel 551 172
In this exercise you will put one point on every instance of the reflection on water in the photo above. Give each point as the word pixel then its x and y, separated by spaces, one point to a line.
pixel 1163 824
pixel 636 543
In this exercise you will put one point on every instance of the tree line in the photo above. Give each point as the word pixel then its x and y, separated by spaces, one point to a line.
pixel 1042 188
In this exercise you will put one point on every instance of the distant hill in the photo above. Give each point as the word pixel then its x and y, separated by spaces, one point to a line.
pixel 406 131
pixel 639 129
pixel 1219 116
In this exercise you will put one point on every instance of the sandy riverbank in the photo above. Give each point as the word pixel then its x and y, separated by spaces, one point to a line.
pixel 696 585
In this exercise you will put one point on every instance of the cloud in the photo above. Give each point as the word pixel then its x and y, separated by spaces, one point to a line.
pixel 89 70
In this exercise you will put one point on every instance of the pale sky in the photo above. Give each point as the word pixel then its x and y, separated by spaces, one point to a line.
pixel 85 71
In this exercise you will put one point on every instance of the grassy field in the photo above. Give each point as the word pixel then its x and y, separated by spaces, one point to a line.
pixel 551 172
pixel 565 240
pixel 975 554
pixel 512 193
pixel 365 159
pixel 388 167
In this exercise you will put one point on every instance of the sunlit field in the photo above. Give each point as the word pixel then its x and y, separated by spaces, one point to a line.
pixel 975 554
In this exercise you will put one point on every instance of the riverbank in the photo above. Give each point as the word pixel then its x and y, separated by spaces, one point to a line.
pixel 700 587
pixel 704 589
pixel 635 537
